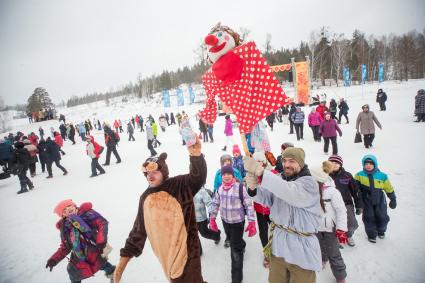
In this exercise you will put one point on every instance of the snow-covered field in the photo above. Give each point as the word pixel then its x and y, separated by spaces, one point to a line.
pixel 28 235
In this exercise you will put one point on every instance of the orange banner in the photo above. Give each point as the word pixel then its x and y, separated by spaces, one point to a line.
pixel 302 81
pixel 281 68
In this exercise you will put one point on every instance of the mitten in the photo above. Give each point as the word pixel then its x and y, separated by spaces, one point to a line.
pixel 213 225
pixel 100 247
pixel 51 263
pixel 251 229
pixel 252 166
pixel 393 201
pixel 359 211
pixel 119 269
pixel 251 181
pixel 342 236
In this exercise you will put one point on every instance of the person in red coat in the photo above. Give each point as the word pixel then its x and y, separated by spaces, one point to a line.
pixel 322 108
pixel 94 150
pixel 59 141
pixel 83 233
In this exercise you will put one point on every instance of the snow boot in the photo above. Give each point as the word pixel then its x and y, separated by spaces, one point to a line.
pixel 381 235
pixel 372 240
pixel 30 185
pixel 227 243
pixel 351 242
pixel 23 189
pixel 224 148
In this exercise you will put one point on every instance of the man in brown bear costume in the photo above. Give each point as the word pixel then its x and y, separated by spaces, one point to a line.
pixel 166 216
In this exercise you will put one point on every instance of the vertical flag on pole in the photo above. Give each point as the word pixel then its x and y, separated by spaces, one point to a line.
pixel 364 73
pixel 381 72
pixel 166 98
pixel 180 98
pixel 346 75
pixel 191 95
pixel 301 75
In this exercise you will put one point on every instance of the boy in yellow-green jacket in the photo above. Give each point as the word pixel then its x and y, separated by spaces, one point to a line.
pixel 373 184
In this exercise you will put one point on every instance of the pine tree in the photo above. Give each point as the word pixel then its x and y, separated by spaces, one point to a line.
pixel 40 99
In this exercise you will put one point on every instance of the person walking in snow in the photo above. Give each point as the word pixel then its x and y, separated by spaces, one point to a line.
pixel 333 108
pixel 120 126
pixel 172 119
pixel 19 166
pixel 166 216
pixel 237 160
pixel 285 113
pixel 210 129
pixel 203 129
pixel 130 131
pixel 62 129
pixel 365 125
pixel 294 201
pixel 167 118
pixel 381 98
pixel 420 106
pixel 71 134
pixel 349 190
pixel 322 108
pixel 328 129
pixel 94 150
pixel 59 141
pixel 116 126
pixel 292 110
pixel 343 110
pixel 84 234
pixel 270 120
pixel 314 121
pixel 203 202
pixel 42 154
pixel 228 132
pixel 41 132
pixel 150 138
pixel 373 184
pixel 333 225
pixel 225 159
pixel 298 120
pixel 155 133
pixel 33 150
pixel 53 155
pixel 111 141
pixel 234 204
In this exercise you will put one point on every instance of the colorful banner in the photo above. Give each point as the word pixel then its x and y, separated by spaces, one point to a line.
pixel 302 82
pixel 346 76
pixel 381 72
pixel 180 98
pixel 166 98
pixel 281 68
pixel 364 73
pixel 191 95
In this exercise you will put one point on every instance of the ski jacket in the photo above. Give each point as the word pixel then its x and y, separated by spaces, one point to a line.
pixel 328 128
pixel 314 119
pixel 322 109
pixel 335 214
pixel 232 209
pixel 228 130
pixel 116 124
pixel 149 132
pixel 166 216
pixel 6 150
pixel 343 107
pixel 348 187
pixel 238 164
pixel 93 148
pixel 154 129
pixel 83 266
pixel 381 97
pixel 202 202
pixel 52 150
pixel 58 140
pixel 365 123
pixel 294 204
pixel 130 128
pixel 110 139
pixel 298 117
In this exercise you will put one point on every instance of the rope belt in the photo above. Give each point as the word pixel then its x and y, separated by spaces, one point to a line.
pixel 267 250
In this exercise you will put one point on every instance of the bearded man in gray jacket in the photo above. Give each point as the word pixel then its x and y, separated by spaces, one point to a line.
pixel 294 201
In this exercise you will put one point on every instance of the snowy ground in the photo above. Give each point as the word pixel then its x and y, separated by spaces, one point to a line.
pixel 28 236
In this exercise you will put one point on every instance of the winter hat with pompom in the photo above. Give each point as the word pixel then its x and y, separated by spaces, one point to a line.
pixel 336 158
pixel 318 174
pixel 62 205
pixel 236 149
pixel 327 167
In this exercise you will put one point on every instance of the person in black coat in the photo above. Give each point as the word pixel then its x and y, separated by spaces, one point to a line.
pixel 292 110
pixel 172 119
pixel 111 142
pixel 20 160
pixel 167 118
pixel 333 109
pixel 72 133
pixel 42 154
pixel 53 155
pixel 204 130
pixel 62 129
pixel 343 110
pixel 381 98
pixel 350 193
pixel 270 120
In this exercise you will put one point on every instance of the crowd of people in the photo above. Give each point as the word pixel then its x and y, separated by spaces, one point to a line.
pixel 304 215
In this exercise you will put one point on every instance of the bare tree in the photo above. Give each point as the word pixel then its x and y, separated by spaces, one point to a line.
pixel 201 53
pixel 339 49
pixel 243 33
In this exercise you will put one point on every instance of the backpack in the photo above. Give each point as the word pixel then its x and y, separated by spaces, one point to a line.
pixel 116 137
pixel 101 150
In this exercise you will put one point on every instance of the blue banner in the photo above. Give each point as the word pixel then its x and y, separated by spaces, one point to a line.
pixel 180 98
pixel 191 95
pixel 381 72
pixel 346 76
pixel 166 98
pixel 364 73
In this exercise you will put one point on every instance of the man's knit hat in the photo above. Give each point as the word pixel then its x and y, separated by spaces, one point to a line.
pixel 228 169
pixel 336 158
pixel 296 153
pixel 225 157
pixel 161 165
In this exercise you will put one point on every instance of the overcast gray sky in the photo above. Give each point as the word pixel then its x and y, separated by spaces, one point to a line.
pixel 74 47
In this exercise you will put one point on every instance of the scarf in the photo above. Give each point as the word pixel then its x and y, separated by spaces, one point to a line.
pixel 79 234
pixel 229 185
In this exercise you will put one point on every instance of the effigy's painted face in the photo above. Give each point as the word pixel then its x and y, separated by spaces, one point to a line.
pixel 218 44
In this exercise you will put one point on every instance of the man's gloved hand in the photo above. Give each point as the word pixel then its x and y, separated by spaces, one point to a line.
pixel 359 211
pixel 195 149
pixel 251 229
pixel 119 269
pixel 251 181
pixel 342 236
pixel 213 225
pixel 252 166
pixel 51 263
